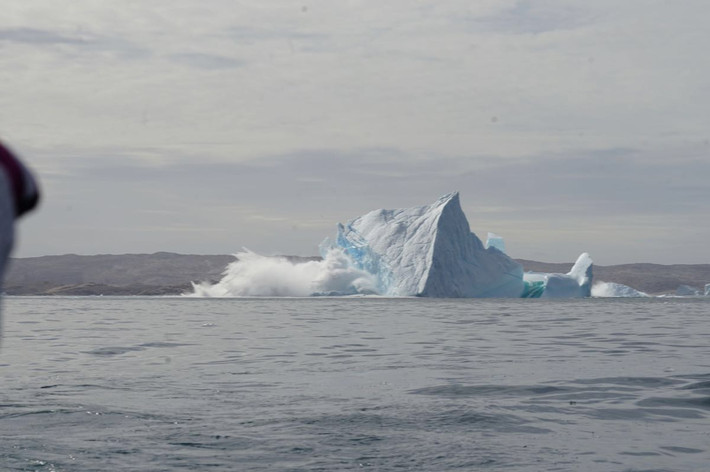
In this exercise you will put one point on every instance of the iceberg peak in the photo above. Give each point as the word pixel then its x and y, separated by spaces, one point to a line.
pixel 428 251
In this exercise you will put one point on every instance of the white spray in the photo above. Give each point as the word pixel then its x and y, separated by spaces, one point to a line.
pixel 254 275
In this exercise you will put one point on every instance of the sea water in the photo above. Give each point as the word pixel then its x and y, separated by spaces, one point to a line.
pixel 330 384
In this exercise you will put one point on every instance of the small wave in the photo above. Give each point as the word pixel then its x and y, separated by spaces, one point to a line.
pixel 118 350
pixel 490 390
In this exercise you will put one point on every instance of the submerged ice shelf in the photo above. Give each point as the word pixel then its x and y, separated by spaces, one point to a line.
pixel 424 251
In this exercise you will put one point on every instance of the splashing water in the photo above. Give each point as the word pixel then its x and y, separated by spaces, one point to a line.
pixel 254 275
pixel 615 290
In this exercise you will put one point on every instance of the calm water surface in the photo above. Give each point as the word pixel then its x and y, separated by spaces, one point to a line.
pixel 161 384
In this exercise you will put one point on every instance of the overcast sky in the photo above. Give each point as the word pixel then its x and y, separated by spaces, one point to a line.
pixel 201 126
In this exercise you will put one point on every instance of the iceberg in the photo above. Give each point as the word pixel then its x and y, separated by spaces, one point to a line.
pixel 428 251
pixel 687 291
pixel 707 290
pixel 577 283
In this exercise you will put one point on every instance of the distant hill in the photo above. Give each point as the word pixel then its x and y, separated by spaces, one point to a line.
pixel 126 274
pixel 165 273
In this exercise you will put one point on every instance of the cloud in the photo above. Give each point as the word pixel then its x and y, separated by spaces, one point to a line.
pixel 76 41
pixel 532 17
pixel 37 36
pixel 597 183
pixel 250 33
pixel 207 61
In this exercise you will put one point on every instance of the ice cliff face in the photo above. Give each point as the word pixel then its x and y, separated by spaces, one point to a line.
pixel 428 251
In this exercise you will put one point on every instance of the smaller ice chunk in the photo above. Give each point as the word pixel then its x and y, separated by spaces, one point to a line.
pixel 707 290
pixel 577 283
pixel 614 290
pixel 495 241
pixel 687 291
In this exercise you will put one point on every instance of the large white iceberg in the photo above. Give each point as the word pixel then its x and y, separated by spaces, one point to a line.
pixel 429 251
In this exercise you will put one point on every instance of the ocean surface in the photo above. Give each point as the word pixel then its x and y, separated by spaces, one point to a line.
pixel 326 384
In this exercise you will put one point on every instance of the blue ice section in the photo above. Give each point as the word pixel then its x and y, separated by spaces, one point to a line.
pixel 362 256
pixel 533 289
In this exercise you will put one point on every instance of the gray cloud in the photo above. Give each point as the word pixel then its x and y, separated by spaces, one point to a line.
pixel 598 183
pixel 532 17
pixel 38 36
pixel 77 41
pixel 247 34
pixel 207 61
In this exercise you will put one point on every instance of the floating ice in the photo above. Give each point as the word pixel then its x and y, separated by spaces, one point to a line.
pixel 428 251
pixel 577 283
pixel 687 291
pixel 707 290
pixel 614 290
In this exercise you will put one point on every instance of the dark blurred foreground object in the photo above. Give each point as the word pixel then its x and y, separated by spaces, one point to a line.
pixel 18 195
pixel 22 185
